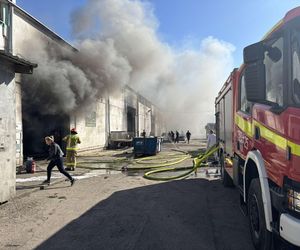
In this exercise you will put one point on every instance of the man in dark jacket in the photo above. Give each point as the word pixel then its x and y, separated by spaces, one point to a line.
pixel 56 159
pixel 177 137
pixel 188 136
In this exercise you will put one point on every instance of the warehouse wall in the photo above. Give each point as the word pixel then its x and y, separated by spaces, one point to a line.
pixel 30 134
pixel 24 31
pixel 91 126
pixel 108 114
pixel 117 112
pixel 158 123
pixel 144 118
pixel 7 133
pixel 19 125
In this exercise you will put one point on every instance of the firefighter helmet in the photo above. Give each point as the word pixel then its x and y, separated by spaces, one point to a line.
pixel 73 130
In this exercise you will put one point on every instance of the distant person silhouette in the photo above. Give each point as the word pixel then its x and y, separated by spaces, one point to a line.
pixel 188 136
pixel 177 137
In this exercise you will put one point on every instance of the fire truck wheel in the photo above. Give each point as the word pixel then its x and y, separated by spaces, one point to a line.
pixel 261 237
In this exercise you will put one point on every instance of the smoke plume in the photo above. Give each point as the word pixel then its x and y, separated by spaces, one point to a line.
pixel 118 44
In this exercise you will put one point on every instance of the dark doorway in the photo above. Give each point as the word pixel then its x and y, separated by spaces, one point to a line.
pixel 153 125
pixel 35 128
pixel 131 119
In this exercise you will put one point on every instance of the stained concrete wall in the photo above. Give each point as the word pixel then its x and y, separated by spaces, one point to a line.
pixel 7 133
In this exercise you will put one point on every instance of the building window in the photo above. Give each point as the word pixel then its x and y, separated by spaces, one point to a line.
pixel 245 105
pixel 274 73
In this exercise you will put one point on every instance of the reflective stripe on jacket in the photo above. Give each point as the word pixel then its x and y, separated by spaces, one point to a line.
pixel 72 141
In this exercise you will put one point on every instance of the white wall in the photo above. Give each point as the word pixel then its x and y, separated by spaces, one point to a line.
pixel 91 126
pixel 7 133
pixel 144 118
pixel 19 127
pixel 24 32
pixel 117 113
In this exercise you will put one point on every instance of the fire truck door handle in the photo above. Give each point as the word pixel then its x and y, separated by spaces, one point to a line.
pixel 257 133
pixel 288 153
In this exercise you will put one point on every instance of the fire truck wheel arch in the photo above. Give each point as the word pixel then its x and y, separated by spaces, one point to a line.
pixel 256 157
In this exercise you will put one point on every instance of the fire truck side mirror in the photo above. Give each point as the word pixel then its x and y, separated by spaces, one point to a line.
pixel 255 82
pixel 254 52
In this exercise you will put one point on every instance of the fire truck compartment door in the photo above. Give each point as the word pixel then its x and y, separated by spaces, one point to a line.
pixel 228 122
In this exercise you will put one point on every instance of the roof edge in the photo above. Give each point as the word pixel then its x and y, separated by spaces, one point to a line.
pixel 43 27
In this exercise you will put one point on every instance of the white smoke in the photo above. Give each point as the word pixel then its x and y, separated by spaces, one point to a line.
pixel 184 83
pixel 118 44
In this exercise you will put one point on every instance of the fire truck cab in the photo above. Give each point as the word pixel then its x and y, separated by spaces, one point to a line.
pixel 258 130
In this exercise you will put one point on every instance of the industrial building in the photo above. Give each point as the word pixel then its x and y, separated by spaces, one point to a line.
pixel 22 130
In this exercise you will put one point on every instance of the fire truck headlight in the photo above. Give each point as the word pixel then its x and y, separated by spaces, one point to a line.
pixel 293 200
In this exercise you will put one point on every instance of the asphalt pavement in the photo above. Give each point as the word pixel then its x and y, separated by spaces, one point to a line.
pixel 185 214
pixel 114 210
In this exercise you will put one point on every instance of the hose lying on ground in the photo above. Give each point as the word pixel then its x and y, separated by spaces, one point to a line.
pixel 159 168
pixel 159 164
pixel 196 164
pixel 152 162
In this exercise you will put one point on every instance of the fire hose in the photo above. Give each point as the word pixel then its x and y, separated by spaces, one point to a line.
pixel 196 164
pixel 160 167
pixel 158 163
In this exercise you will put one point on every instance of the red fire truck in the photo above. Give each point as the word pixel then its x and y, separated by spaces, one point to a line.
pixel 258 129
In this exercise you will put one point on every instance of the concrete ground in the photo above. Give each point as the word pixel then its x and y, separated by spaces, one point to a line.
pixel 109 209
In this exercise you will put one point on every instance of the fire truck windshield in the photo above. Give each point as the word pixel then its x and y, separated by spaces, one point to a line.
pixel 274 70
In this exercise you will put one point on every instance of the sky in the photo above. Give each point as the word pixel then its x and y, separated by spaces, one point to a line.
pixel 183 23
pixel 178 54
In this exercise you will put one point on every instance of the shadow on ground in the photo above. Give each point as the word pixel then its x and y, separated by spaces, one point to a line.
pixel 186 214
pixel 24 187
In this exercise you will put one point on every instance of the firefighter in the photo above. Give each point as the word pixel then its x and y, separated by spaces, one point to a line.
pixel 72 141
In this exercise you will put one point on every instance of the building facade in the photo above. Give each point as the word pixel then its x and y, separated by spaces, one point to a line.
pixel 10 65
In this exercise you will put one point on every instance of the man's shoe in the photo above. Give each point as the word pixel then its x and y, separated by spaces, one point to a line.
pixel 72 182
pixel 68 169
pixel 46 182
